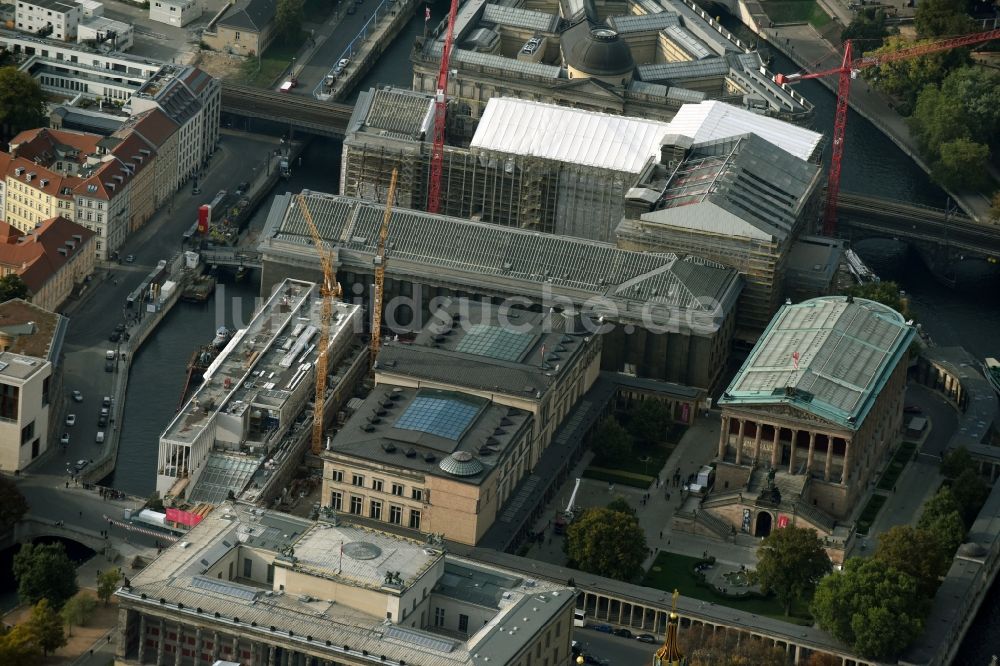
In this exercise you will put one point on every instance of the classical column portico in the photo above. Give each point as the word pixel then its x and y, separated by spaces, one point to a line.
pixel 776 448
pixel 756 442
pixel 142 637
pixel 812 449
pixel 847 462
pixel 724 438
pixel 179 647
pixel 739 441
pixel 161 643
pixel 829 458
pixel 791 455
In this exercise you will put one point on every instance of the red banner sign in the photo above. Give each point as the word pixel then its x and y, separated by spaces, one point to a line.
pixel 183 517
pixel 782 521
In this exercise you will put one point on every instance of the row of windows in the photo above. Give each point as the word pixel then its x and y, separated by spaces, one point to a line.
pixel 375 510
pixel 378 485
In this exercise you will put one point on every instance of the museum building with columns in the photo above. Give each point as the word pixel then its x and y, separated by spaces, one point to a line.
pixel 811 415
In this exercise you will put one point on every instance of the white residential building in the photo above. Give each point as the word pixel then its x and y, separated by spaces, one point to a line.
pixel 30 344
pixel 106 33
pixel 91 8
pixel 56 18
pixel 174 12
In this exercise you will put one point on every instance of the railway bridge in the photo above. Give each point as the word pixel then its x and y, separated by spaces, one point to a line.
pixel 301 113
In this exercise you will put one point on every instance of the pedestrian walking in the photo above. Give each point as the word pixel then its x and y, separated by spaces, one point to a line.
pixel 661 534
pixel 81 514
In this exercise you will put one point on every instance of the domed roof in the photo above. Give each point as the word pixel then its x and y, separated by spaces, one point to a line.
pixel 596 50
pixel 461 463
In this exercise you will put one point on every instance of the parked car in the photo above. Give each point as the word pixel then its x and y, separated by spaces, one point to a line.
pixel 115 336
pixel 603 628
pixel 341 66
pixel 71 419
pixel 102 421
pixel 80 464
pixel 912 409
pixel 77 396
pixel 109 366
pixel 106 402
pixel 120 327
pixel 351 9
pixel 64 440
pixel 100 437
pixel 130 259
pixel 624 633
pixel 646 638
pixel 591 659
pixel 110 354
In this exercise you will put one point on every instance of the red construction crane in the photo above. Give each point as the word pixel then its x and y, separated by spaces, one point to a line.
pixel 847 71
pixel 440 108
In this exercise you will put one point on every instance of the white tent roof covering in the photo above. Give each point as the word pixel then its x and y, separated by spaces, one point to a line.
pixel 710 120
pixel 522 127
pixel 621 143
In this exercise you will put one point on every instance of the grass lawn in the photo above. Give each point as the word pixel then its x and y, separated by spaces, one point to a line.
pixel 795 11
pixel 896 466
pixel 275 60
pixel 638 470
pixel 676 572
pixel 616 476
pixel 869 513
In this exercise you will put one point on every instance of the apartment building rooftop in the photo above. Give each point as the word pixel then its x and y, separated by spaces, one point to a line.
pixel 37 255
pixel 27 330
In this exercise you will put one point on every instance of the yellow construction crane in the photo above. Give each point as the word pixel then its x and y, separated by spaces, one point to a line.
pixel 378 298
pixel 329 290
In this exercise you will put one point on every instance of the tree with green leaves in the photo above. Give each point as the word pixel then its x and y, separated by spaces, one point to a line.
pixel 22 104
pixel 886 293
pixel 611 441
pixel 77 610
pixel 621 505
pixel 956 461
pixel 12 286
pixel 649 421
pixel 288 18
pixel 107 583
pixel 915 552
pixel 942 517
pixel 13 506
pixel 18 646
pixel 941 18
pixel 995 206
pixel 44 571
pixel 791 561
pixel 904 79
pixel 607 543
pixel 962 164
pixel 46 627
pixel 871 606
pixel 868 26
pixel 970 492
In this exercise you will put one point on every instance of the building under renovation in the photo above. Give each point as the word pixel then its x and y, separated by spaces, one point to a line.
pixel 247 419
pixel 531 165
pixel 640 58
pixel 741 201
pixel 662 316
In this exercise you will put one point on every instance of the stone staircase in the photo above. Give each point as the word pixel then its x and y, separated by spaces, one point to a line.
pixel 719 527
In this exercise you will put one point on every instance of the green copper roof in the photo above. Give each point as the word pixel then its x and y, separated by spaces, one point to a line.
pixel 846 351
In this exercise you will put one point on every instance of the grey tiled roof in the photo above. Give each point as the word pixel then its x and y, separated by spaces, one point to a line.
pixel 679 71
pixel 520 18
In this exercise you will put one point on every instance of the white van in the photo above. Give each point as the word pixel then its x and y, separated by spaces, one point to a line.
pixel 110 354
pixel 100 437
pixel 579 618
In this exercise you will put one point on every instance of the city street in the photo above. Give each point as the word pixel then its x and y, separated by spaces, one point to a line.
pixel 94 316
pixel 617 651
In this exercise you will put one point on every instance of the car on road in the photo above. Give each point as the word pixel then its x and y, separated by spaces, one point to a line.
pixel 77 396
pixel 102 421
pixel 591 659
pixel 106 402
pixel 195 190
pixel 289 84
pixel 71 419
pixel 646 638
pixel 110 354
pixel 130 259
pixel 115 336
pixel 341 66
pixel 100 437
pixel 603 628
pixel 80 464
pixel 624 633
pixel 120 327
pixel 912 409
pixel 64 440
pixel 351 9
pixel 109 366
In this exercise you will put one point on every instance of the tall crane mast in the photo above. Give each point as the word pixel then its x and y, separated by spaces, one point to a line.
pixel 440 109
pixel 848 70
pixel 329 290
pixel 377 300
